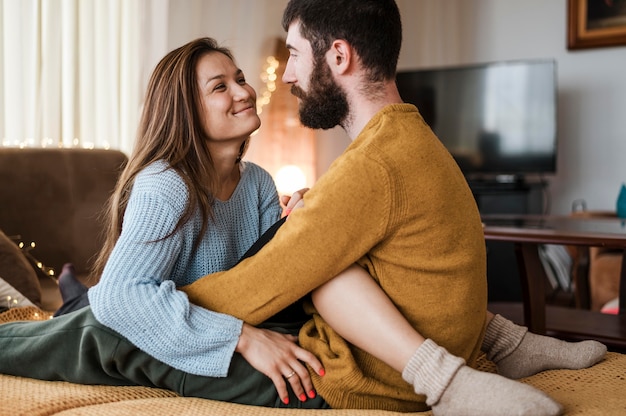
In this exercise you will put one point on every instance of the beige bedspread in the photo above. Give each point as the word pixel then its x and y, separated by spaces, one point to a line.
pixel 597 391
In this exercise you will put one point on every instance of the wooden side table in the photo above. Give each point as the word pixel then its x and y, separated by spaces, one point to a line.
pixel 528 232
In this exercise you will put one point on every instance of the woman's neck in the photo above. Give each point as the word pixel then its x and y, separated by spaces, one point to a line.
pixel 228 172
pixel 225 155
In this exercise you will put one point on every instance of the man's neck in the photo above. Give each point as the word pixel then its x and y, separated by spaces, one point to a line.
pixel 364 108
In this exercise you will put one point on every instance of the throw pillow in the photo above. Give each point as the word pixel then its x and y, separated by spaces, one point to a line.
pixel 11 298
pixel 17 271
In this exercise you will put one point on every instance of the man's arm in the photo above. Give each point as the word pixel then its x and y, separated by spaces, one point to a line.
pixel 345 214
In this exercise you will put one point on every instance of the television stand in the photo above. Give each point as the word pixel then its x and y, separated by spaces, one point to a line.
pixel 505 184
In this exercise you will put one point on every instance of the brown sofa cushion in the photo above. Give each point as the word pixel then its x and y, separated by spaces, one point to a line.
pixel 17 271
pixel 54 197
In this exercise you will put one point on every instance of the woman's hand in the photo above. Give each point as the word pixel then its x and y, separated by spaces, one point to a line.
pixel 279 357
pixel 294 201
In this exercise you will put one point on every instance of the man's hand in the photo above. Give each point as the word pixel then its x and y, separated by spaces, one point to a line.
pixel 279 357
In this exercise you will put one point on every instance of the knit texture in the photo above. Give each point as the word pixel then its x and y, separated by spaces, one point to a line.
pixel 476 393
pixel 430 370
pixel 28 313
pixel 501 338
pixel 137 294
pixel 397 204
pixel 453 388
pixel 597 391
pixel 518 353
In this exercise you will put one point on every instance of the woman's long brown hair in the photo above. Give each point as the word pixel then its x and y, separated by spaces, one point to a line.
pixel 171 130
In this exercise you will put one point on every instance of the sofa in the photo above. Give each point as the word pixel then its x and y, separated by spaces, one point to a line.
pixel 53 197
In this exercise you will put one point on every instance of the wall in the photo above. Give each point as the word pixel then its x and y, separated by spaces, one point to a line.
pixel 248 27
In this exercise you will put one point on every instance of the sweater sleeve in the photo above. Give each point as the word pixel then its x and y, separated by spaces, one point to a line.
pixel 136 298
pixel 333 230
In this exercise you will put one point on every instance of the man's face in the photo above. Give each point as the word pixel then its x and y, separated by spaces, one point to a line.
pixel 323 103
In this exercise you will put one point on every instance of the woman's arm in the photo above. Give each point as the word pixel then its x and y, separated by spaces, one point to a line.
pixel 137 298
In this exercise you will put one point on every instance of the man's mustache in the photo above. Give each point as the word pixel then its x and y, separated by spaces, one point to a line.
pixel 297 91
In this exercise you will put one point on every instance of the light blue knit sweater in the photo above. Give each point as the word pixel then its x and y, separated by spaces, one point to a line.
pixel 137 294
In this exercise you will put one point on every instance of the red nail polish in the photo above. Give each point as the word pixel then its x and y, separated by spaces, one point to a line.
pixel 302 397
pixel 288 211
pixel 286 400
pixel 322 372
pixel 312 394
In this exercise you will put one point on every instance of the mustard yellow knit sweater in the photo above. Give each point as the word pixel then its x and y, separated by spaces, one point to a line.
pixel 396 203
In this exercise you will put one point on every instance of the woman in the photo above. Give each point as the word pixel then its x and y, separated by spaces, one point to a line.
pixel 185 205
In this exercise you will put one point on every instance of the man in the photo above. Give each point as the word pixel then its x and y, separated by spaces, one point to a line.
pixel 396 204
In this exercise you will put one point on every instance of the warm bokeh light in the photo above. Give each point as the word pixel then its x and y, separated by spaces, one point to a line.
pixel 289 179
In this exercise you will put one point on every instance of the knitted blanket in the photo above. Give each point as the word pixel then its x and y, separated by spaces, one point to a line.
pixel 599 390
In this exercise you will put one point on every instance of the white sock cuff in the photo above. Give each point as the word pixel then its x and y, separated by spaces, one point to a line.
pixel 430 370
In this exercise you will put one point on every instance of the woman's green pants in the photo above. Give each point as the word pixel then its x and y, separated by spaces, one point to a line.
pixel 77 348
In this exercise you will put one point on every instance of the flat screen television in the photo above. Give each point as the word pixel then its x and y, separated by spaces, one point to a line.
pixel 498 120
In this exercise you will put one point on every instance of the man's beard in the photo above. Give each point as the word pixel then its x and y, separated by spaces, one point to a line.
pixel 325 105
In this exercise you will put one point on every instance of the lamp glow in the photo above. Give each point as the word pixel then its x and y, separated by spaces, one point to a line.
pixel 289 179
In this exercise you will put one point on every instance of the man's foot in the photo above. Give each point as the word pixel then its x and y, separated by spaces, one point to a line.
pixel 538 353
pixel 472 392
pixel 452 388
pixel 518 353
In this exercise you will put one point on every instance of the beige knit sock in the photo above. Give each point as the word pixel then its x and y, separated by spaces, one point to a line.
pixel 452 388
pixel 518 353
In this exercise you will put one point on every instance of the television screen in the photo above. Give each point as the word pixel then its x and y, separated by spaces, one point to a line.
pixel 495 119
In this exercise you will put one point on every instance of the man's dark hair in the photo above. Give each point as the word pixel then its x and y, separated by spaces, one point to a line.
pixel 372 27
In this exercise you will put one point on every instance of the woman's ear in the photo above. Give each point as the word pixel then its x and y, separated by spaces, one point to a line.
pixel 340 56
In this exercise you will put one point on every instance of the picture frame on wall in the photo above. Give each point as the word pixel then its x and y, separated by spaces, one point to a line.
pixel 596 23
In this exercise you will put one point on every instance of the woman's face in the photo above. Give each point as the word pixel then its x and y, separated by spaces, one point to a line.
pixel 228 102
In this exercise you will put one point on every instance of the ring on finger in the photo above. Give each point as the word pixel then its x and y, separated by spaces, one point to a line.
pixel 288 376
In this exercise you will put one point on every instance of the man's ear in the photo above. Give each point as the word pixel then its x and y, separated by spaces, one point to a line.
pixel 340 56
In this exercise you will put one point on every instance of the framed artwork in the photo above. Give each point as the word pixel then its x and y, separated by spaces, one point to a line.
pixel 596 23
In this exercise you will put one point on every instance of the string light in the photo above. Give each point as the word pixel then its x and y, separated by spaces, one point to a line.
pixel 26 250
pixel 14 302
pixel 268 77
pixel 48 142
pixel 11 302
pixel 30 312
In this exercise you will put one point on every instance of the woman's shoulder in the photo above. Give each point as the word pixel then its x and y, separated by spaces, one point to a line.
pixel 157 171
pixel 160 177
pixel 254 168
pixel 255 172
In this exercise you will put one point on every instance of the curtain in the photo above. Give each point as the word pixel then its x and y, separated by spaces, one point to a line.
pixel 71 72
